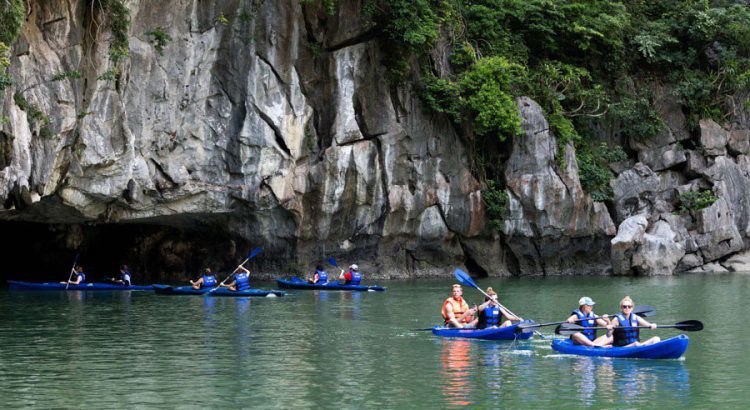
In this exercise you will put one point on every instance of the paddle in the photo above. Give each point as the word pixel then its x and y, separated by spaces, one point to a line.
pixel 567 329
pixel 465 279
pixel 644 311
pixel 252 254
pixel 333 262
pixel 73 269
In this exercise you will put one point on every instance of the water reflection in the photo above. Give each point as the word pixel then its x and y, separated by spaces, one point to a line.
pixel 456 371
pixel 627 381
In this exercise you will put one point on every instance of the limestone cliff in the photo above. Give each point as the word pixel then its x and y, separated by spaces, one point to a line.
pixel 271 123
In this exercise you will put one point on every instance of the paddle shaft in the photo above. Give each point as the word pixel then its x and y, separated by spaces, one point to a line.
pixel 637 312
pixel 73 269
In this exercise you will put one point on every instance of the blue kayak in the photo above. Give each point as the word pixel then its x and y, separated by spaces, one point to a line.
pixel 297 283
pixel 19 285
pixel 672 348
pixel 188 290
pixel 495 333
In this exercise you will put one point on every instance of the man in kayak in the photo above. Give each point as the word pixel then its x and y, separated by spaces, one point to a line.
pixel 241 280
pixel 456 311
pixel 78 277
pixel 124 276
pixel 320 276
pixel 623 330
pixel 585 316
pixel 353 277
pixel 207 280
pixel 490 313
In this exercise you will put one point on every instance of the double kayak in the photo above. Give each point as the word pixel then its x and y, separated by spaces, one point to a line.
pixel 297 283
pixel 672 348
pixel 19 285
pixel 495 333
pixel 188 290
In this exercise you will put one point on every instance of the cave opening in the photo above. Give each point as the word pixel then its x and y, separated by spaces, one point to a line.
pixel 45 252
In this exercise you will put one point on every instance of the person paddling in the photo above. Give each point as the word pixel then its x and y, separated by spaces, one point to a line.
pixel 320 276
pixel 622 331
pixel 456 312
pixel 78 277
pixel 353 277
pixel 585 317
pixel 241 280
pixel 207 280
pixel 490 313
pixel 125 276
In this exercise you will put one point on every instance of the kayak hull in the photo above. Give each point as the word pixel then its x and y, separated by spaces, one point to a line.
pixel 188 290
pixel 335 285
pixel 498 333
pixel 20 285
pixel 672 348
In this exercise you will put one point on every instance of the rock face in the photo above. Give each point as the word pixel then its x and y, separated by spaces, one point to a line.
pixel 245 127
pixel 553 225
pixel 270 123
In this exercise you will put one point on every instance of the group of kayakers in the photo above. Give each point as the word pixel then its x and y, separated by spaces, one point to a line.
pixel 78 277
pixel 241 278
pixel 352 277
pixel 622 328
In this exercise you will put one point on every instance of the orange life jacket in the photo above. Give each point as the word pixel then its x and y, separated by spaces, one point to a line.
pixel 459 308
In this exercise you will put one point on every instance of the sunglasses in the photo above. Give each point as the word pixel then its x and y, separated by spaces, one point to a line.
pixel 627 306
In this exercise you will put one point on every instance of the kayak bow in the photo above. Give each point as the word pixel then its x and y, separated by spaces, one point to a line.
pixel 672 348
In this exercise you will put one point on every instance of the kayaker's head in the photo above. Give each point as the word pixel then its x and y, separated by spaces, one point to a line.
pixel 626 305
pixel 207 271
pixel 318 268
pixel 79 268
pixel 354 267
pixel 490 295
pixel 123 268
pixel 456 292
pixel 586 304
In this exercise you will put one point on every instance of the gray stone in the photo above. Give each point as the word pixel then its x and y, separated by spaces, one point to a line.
pixel 738 262
pixel 739 142
pixel 718 235
pixel 629 237
pixel 689 261
pixel 713 137
pixel 664 157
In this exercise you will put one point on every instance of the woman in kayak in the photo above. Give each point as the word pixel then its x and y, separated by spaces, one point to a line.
pixel 78 277
pixel 490 313
pixel 124 276
pixel 208 280
pixel 241 280
pixel 353 277
pixel 628 335
pixel 585 316
pixel 456 311
pixel 320 276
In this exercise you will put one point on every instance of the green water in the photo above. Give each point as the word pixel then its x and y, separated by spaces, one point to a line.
pixel 356 350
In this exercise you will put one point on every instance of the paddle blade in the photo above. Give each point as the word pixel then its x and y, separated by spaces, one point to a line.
pixel 690 325
pixel 464 278
pixel 567 329
pixel 254 252
pixel 332 262
pixel 644 311
pixel 526 328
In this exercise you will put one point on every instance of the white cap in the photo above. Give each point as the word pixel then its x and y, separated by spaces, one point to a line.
pixel 586 301
pixel 354 266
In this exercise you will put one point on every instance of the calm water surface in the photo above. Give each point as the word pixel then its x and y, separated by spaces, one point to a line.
pixel 356 350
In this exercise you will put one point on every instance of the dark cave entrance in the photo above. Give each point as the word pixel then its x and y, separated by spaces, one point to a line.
pixel 45 252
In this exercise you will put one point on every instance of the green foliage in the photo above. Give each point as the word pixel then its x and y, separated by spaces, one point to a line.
pixel 593 168
pixel 222 19
pixel 12 14
pixel 487 90
pixel 696 200
pixel 117 18
pixel 67 74
pixel 34 115
pixel 638 117
pixel 109 75
pixel 159 39
pixel 314 49
pixel 496 203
